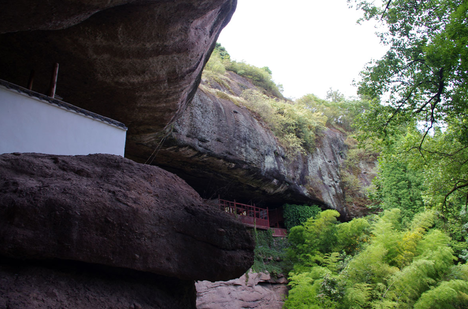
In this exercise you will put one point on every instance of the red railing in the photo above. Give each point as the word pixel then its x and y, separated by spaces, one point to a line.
pixel 279 232
pixel 248 214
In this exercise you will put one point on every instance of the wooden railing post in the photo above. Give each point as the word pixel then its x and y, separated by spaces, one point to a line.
pixel 53 82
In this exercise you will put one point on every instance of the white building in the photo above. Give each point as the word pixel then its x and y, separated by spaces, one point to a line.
pixel 32 122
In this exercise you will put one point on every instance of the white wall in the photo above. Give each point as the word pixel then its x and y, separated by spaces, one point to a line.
pixel 29 124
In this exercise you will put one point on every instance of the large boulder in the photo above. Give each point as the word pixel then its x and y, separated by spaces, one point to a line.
pixel 137 61
pixel 107 210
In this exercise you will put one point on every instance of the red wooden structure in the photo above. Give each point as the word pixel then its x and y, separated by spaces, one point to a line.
pixel 279 232
pixel 254 216
pixel 248 214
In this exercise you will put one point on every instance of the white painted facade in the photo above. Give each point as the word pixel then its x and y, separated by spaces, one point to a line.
pixel 31 122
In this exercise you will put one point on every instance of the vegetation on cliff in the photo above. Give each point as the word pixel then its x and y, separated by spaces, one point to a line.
pixel 298 124
pixel 294 124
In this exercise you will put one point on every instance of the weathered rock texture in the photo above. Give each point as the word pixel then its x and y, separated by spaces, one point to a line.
pixel 257 290
pixel 109 211
pixel 137 61
pixel 83 286
pixel 219 147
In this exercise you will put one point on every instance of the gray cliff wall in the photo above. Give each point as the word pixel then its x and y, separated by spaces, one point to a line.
pixel 220 148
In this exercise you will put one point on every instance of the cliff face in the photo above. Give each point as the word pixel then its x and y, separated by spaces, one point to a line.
pixel 219 147
pixel 106 227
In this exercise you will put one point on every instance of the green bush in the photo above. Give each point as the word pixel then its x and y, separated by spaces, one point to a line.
pixel 340 112
pixel 374 262
pixel 215 64
pixel 295 126
pixel 270 253
pixel 298 214
pixel 260 77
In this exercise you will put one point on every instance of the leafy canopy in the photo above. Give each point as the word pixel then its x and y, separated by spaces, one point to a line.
pixel 419 93
pixel 425 70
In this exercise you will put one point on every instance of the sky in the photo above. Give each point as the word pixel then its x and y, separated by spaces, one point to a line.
pixel 309 45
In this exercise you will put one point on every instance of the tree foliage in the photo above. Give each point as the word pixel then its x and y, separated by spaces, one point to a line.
pixel 339 111
pixel 398 186
pixel 220 62
pixel 425 69
pixel 420 89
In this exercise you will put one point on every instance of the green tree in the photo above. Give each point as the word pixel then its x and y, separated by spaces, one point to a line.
pixel 419 95
pixel 339 111
pixel 221 50
pixel 425 69
pixel 335 96
pixel 398 186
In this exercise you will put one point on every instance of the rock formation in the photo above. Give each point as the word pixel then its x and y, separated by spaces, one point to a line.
pixel 136 61
pixel 140 62
pixel 219 147
pixel 97 223
pixel 115 215
pixel 59 284
pixel 255 290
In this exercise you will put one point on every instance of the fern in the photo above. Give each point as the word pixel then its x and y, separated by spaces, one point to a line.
pixel 448 295
pixel 408 284
pixel 351 235
pixel 357 296
pixel 457 272
pixel 387 234
pixel 369 266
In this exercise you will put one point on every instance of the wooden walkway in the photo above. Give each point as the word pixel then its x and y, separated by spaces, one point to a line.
pixel 251 216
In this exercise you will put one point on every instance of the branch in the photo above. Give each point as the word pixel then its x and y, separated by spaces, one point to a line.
pixel 402 102
pixel 423 138
pixel 444 154
pixel 457 187
pixel 386 8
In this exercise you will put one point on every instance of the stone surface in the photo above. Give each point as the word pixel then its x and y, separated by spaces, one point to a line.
pixel 220 148
pixel 107 210
pixel 69 285
pixel 24 15
pixel 257 290
pixel 137 61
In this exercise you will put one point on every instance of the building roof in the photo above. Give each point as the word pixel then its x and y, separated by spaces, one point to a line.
pixel 61 104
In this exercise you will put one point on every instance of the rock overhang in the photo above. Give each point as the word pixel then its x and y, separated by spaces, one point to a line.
pixel 138 62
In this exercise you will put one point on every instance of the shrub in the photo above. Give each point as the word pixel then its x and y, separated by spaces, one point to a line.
pixel 270 253
pixel 260 77
pixel 385 264
pixel 298 214
pixel 294 125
